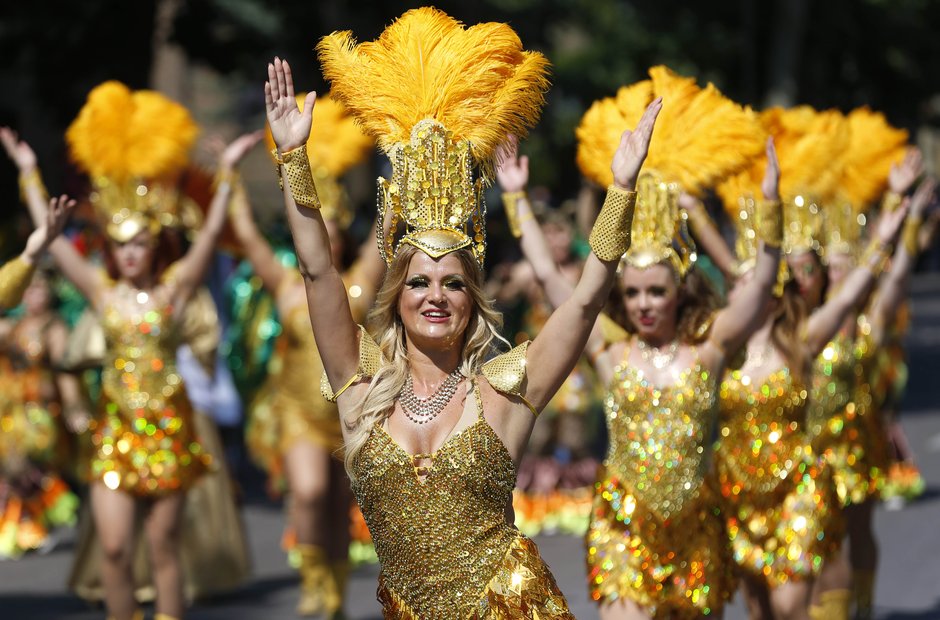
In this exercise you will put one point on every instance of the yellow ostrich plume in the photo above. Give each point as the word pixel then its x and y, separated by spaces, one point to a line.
pixel 477 82
pixel 122 135
pixel 873 147
pixel 701 136
pixel 336 143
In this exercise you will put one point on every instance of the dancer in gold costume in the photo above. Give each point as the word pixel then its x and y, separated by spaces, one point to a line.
pixel 432 433
pixel 657 547
pixel 146 454
pixel 292 428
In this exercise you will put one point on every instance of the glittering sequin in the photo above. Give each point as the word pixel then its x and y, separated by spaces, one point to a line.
pixel 656 536
pixel 144 439
pixel 445 547
pixel 779 499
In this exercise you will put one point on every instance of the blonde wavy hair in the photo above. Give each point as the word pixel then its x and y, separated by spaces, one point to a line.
pixel 481 339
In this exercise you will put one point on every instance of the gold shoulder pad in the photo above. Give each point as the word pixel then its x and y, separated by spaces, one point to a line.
pixel 506 372
pixel 370 362
pixel 611 330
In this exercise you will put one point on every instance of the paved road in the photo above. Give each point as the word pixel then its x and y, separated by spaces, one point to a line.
pixel 908 586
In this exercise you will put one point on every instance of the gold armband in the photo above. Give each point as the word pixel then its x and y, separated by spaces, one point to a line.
pixel 610 237
pixel 876 257
pixel 32 179
pixel 15 276
pixel 909 238
pixel 299 177
pixel 891 202
pixel 511 206
pixel 769 225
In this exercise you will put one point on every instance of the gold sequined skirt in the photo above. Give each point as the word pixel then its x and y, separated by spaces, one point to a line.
pixel 147 455
pixel 855 445
pixel 522 589
pixel 679 568
pixel 787 533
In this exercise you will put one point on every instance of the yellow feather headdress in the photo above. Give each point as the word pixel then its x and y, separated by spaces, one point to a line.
pixel 336 144
pixel 700 137
pixel 131 145
pixel 439 99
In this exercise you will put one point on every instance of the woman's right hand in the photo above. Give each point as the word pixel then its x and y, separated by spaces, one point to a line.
pixel 18 150
pixel 56 217
pixel 513 171
pixel 290 127
pixel 633 148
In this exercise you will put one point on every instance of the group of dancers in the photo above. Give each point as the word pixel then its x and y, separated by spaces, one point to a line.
pixel 747 436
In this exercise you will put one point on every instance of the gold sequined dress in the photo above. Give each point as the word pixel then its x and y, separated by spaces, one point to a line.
pixel 656 536
pixel 445 547
pixel 780 505
pixel 843 426
pixel 144 440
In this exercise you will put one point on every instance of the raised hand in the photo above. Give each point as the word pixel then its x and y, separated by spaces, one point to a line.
pixel 18 150
pixel 889 224
pixel 290 127
pixel 923 196
pixel 770 186
pixel 903 175
pixel 60 209
pixel 513 171
pixel 634 146
pixel 233 153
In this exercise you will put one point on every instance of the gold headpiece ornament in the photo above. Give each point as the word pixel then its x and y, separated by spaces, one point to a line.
pixel 873 146
pixel 439 99
pixel 131 145
pixel 700 137
pixel 336 144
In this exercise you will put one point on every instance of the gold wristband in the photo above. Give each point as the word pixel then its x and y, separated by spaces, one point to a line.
pixel 769 224
pixel 511 206
pixel 299 177
pixel 229 176
pixel 876 256
pixel 610 237
pixel 909 237
pixel 891 202
pixel 32 179
pixel 15 276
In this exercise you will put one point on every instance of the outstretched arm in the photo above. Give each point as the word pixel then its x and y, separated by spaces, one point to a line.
pixel 257 249
pixel 825 322
pixel 192 267
pixel 561 341
pixel 737 321
pixel 333 325
pixel 79 271
pixel 708 235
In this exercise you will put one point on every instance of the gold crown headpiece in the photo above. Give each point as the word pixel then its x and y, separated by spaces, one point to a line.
pixel 336 144
pixel 700 137
pixel 439 99
pixel 132 145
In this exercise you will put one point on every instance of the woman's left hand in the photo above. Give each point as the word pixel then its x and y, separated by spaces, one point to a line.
pixel 513 171
pixel 770 186
pixel 238 148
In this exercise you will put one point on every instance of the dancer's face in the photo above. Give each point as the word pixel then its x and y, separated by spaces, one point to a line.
pixel 37 296
pixel 134 258
pixel 807 271
pixel 435 304
pixel 558 238
pixel 651 297
pixel 839 265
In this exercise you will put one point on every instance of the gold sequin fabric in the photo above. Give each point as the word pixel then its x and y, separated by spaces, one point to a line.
pixel 144 439
pixel 15 276
pixel 445 547
pixel 843 426
pixel 656 535
pixel 780 503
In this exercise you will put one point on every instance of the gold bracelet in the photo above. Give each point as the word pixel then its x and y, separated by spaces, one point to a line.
pixel 876 256
pixel 227 175
pixel 769 224
pixel 610 237
pixel 909 238
pixel 511 206
pixel 15 277
pixel 891 202
pixel 32 179
pixel 297 170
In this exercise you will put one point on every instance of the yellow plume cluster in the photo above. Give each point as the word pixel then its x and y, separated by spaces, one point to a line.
pixel 123 135
pixel 477 82
pixel 701 136
pixel 873 147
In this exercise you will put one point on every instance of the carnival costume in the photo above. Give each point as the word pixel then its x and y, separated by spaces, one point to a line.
pixel 656 537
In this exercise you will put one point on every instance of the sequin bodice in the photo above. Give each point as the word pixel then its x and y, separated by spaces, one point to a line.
pixel 837 374
pixel 762 437
pixel 301 361
pixel 658 436
pixel 440 539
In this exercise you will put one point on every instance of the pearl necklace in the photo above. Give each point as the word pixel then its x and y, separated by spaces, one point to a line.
pixel 423 410
pixel 656 357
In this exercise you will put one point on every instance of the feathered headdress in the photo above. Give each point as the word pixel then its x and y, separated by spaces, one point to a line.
pixel 131 144
pixel 336 144
pixel 700 137
pixel 439 99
